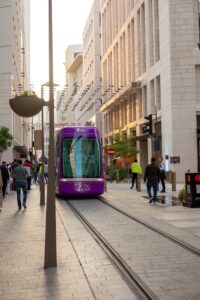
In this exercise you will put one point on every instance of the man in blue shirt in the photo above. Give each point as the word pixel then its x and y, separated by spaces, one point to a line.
pixel 20 174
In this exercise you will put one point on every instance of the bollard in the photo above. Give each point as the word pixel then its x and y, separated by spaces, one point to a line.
pixel 138 183
pixel 117 176
pixel 170 176
pixel 105 183
pixel 173 181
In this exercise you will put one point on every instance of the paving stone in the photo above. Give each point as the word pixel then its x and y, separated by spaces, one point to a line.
pixel 22 276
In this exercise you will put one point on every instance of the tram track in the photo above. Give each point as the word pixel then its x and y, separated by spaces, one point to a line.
pixel 134 281
pixel 170 237
pixel 149 259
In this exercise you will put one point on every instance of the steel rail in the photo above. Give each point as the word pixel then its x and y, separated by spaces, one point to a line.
pixel 170 237
pixel 134 280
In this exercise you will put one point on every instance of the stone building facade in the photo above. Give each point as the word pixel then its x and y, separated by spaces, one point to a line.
pixel 151 65
pixel 14 70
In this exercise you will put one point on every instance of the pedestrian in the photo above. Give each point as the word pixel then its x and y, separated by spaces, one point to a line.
pixel 1 192
pixel 39 170
pixel 35 173
pixel 14 164
pixel 136 171
pixel 46 172
pixel 162 174
pixel 5 177
pixel 20 174
pixel 27 164
pixel 152 176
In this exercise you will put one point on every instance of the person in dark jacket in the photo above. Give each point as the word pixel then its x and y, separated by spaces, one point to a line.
pixel 5 177
pixel 152 176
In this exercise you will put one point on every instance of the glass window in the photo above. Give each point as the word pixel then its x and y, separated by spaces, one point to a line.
pixel 81 158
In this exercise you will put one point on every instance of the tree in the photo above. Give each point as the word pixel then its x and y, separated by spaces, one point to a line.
pixel 123 147
pixel 5 139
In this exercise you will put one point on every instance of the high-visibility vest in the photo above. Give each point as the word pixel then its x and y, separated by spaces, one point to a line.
pixel 135 168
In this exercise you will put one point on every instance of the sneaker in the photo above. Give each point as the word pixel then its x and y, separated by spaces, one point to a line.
pixel 162 191
pixel 131 187
pixel 24 205
pixel 150 200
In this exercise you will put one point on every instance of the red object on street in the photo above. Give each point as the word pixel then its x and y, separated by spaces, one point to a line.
pixel 197 178
pixel 110 151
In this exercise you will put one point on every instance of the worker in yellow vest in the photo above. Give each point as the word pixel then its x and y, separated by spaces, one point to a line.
pixel 135 169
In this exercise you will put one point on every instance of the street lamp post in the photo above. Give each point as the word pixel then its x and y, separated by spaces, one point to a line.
pixel 42 185
pixel 42 188
pixel 50 234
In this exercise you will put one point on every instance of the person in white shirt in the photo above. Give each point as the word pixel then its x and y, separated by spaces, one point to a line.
pixel 162 174
pixel 46 172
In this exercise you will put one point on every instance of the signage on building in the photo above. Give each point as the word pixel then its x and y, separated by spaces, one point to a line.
pixel 175 160
pixel 38 139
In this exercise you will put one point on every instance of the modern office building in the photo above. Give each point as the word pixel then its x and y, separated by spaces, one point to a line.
pixel 89 105
pixel 74 82
pixel 14 71
pixel 151 65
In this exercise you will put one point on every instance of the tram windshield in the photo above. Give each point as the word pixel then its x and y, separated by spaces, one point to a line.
pixel 81 158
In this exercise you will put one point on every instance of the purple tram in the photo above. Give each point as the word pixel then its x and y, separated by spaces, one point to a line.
pixel 79 166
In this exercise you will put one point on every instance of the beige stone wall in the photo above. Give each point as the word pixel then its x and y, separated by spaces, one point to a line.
pixel 153 42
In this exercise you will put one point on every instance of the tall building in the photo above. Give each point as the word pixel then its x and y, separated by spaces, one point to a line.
pixel 90 102
pixel 14 70
pixel 74 81
pixel 151 65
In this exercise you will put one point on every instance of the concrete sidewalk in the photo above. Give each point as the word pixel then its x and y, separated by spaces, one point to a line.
pixel 22 234
pixel 83 271
pixel 22 275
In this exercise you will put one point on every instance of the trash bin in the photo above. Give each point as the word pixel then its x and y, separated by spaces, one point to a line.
pixel 192 187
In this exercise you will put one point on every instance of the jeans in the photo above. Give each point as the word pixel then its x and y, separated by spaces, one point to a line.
pixel 21 185
pixel 152 184
pixel 134 176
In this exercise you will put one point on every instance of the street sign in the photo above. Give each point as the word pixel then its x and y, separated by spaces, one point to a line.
pixel 175 159
pixel 110 151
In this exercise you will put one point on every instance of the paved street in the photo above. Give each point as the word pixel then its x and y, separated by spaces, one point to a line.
pixel 83 271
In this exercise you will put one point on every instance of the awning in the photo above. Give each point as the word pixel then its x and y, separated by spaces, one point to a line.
pixel 21 149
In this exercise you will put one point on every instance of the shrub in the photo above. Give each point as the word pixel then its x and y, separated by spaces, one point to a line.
pixel 181 194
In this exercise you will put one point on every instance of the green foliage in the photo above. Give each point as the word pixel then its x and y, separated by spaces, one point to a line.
pixel 114 173
pixel 123 147
pixel 5 139
pixel 26 93
pixel 181 194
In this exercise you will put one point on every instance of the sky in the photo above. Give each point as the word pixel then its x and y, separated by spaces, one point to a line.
pixel 69 19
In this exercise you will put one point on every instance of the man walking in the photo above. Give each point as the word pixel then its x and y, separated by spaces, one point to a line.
pixel 46 172
pixel 152 175
pixel 27 164
pixel 135 169
pixel 162 174
pixel 20 174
